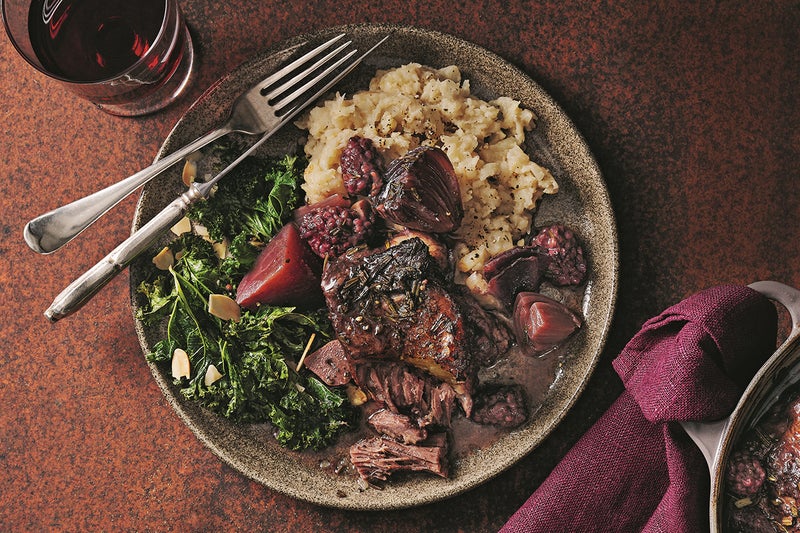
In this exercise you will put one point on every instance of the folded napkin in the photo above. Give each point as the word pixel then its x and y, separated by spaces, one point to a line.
pixel 636 469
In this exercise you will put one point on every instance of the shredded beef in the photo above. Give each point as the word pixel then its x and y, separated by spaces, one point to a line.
pixel 405 390
pixel 397 426
pixel 378 458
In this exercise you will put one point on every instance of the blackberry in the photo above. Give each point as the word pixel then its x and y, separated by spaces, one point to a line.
pixel 567 265
pixel 330 230
pixel 362 169
pixel 744 475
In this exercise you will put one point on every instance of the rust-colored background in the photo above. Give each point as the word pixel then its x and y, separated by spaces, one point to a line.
pixel 690 108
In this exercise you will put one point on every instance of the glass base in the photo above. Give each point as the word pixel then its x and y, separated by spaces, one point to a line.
pixel 167 93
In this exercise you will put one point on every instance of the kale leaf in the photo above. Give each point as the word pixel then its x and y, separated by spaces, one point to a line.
pixel 249 206
pixel 256 355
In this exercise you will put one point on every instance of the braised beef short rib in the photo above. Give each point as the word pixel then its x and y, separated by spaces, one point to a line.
pixel 396 304
pixel 414 343
pixel 397 426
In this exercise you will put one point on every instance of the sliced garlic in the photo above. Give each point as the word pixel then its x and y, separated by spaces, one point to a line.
pixel 180 364
pixel 212 376
pixel 223 307
pixel 743 502
pixel 182 226
pixel 189 172
pixel 164 259
pixel 220 249
pixel 202 231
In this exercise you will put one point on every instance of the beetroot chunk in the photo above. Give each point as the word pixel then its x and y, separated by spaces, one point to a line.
pixel 285 273
pixel 542 324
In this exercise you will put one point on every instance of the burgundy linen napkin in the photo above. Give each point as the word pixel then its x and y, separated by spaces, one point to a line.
pixel 636 469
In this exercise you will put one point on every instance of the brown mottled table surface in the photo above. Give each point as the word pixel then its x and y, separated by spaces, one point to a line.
pixel 691 110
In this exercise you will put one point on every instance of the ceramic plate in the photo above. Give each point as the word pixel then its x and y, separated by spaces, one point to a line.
pixel 581 203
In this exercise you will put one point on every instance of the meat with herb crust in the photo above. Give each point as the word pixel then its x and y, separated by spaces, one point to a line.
pixel 396 304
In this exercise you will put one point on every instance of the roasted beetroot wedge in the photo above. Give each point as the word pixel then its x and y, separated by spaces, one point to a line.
pixel 541 324
pixel 286 272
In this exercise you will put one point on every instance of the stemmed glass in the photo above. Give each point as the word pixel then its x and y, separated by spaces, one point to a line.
pixel 128 58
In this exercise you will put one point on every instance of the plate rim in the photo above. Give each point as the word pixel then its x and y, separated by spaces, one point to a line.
pixel 458 487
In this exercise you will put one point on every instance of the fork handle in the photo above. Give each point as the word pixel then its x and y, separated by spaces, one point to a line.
pixel 49 232
pixel 87 285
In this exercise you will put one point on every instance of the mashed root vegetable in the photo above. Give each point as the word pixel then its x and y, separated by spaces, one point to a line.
pixel 412 105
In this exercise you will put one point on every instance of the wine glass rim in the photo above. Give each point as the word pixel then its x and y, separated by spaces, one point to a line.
pixel 100 81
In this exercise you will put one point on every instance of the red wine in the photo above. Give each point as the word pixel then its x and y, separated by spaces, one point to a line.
pixel 92 40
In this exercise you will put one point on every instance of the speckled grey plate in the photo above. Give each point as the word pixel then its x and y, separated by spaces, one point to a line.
pixel 582 203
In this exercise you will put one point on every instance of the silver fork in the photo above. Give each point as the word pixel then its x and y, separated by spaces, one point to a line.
pixel 254 112
pixel 87 285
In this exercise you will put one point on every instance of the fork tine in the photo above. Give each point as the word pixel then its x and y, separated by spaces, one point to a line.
pixel 205 187
pixel 305 58
pixel 295 79
pixel 297 92
pixel 341 74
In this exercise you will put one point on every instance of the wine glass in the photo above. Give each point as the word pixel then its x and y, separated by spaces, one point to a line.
pixel 128 58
